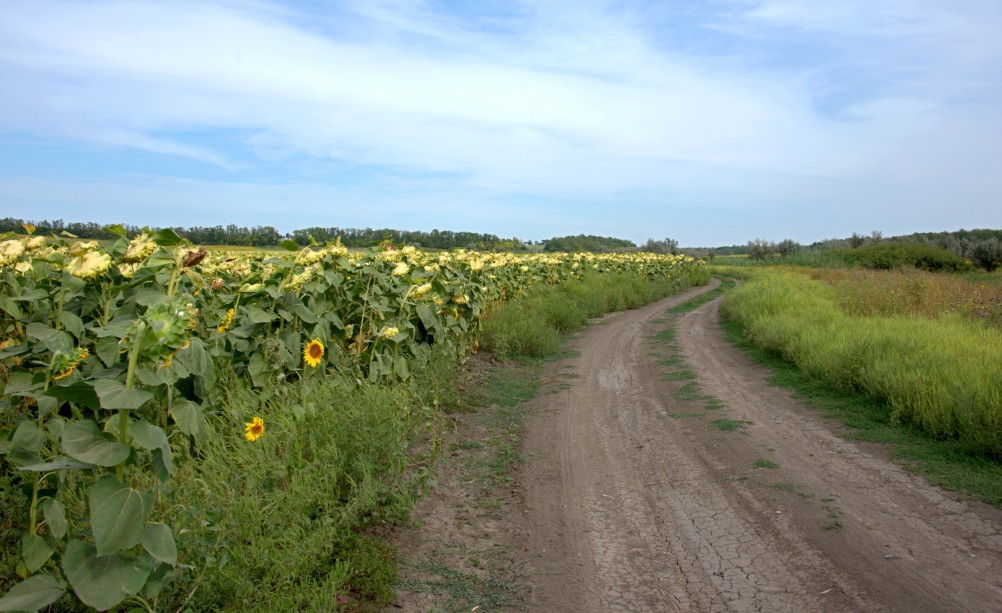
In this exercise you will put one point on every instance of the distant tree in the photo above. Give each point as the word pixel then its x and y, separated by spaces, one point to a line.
pixel 876 236
pixel 856 240
pixel 788 247
pixel 667 245
pixel 760 249
pixel 986 254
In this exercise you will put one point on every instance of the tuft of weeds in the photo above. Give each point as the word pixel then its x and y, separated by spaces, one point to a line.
pixel 728 425
pixel 765 464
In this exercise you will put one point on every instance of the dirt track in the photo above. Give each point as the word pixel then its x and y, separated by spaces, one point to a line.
pixel 635 503
pixel 631 499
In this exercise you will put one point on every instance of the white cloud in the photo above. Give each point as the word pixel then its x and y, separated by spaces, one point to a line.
pixel 556 100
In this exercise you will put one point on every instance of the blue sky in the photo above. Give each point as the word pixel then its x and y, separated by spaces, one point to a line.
pixel 712 122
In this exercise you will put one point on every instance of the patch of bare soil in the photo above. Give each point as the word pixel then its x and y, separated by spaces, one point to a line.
pixel 654 485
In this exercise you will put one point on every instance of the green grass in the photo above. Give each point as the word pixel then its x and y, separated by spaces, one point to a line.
pixel 534 324
pixel 940 375
pixel 949 463
pixel 464 590
pixel 785 486
pixel 728 425
pixel 765 464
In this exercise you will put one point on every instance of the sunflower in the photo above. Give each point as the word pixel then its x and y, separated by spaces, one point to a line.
pixel 254 429
pixel 139 248
pixel 89 265
pixel 313 352
pixel 388 331
pixel 226 322
pixel 400 269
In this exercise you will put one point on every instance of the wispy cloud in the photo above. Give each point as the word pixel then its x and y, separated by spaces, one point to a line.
pixel 730 104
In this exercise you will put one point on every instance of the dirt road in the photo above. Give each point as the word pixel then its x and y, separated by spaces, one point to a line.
pixel 645 493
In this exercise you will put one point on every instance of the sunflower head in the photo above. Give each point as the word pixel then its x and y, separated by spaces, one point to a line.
pixel 89 265
pixel 254 429
pixel 313 352
pixel 139 248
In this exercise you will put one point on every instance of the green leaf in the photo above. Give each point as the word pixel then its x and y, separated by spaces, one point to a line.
pixel 80 393
pixel 35 551
pixel 73 324
pixel 148 296
pixel 55 517
pixel 54 340
pixel 147 435
pixel 163 464
pixel 197 360
pixel 103 582
pixel 32 594
pixel 84 441
pixel 14 350
pixel 154 376
pixel 28 437
pixel 7 305
pixel 156 581
pixel 259 316
pixel 189 418
pixel 114 395
pixel 20 384
pixel 107 350
pixel 427 317
pixel 289 245
pixel 158 540
pixel 117 515
pixel 304 313
pixel 56 463
pixel 258 369
pixel 166 238
pixel 116 229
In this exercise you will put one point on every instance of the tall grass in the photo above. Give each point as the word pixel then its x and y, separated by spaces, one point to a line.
pixel 941 374
pixel 533 324
pixel 282 523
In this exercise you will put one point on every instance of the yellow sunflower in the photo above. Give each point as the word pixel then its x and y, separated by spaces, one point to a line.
pixel 255 429
pixel 313 352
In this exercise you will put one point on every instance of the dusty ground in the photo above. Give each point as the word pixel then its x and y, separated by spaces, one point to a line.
pixel 645 489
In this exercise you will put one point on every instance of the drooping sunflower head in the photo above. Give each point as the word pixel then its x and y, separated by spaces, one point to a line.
pixel 254 429
pixel 313 353
pixel 89 265
pixel 139 248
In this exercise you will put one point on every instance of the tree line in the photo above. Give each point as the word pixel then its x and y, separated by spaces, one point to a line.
pixel 268 236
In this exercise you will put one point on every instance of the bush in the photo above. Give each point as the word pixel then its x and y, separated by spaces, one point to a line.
pixel 893 255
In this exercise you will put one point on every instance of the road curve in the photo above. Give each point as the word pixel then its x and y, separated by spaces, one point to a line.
pixel 635 501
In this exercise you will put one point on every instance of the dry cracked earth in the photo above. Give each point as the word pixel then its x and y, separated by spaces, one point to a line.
pixel 663 473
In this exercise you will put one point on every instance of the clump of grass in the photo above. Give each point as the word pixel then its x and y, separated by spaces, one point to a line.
pixel 727 425
pixel 765 464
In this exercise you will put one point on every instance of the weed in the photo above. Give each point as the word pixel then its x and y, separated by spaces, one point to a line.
pixel 765 464
pixel 727 425
pixel 785 487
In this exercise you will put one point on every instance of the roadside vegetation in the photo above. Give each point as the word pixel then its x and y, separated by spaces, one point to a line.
pixel 185 429
pixel 901 353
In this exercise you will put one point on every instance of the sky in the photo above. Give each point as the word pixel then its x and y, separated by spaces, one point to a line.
pixel 713 122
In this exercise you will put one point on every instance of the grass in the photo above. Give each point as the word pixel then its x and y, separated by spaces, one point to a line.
pixel 940 375
pixel 948 463
pixel 728 425
pixel 534 324
pixel 464 590
pixel 765 464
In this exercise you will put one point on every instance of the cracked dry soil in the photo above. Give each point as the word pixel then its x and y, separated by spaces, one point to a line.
pixel 630 499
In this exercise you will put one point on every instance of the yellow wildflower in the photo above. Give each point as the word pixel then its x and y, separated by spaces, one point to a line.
pixel 254 429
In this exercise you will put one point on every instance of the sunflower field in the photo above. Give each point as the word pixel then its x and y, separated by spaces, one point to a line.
pixel 118 363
